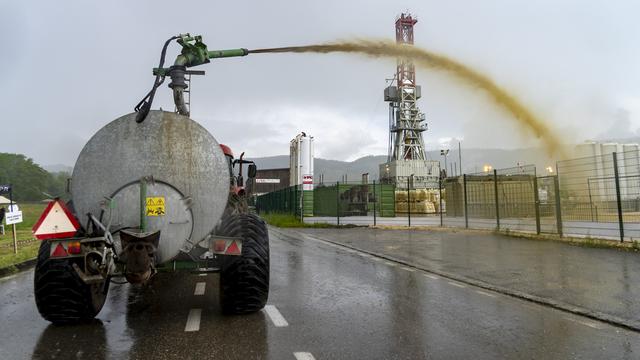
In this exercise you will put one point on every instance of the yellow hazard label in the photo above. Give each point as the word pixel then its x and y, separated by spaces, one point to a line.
pixel 155 206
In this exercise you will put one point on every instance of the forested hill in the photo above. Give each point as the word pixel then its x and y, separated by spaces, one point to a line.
pixel 30 181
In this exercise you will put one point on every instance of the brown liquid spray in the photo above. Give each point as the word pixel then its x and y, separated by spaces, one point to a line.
pixel 426 59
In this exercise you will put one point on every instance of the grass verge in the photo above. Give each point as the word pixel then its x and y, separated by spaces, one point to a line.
pixel 292 221
pixel 27 249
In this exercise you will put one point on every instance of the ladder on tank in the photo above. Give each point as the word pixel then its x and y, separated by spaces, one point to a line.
pixel 187 91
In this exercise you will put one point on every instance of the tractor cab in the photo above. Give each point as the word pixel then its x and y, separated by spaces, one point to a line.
pixel 237 183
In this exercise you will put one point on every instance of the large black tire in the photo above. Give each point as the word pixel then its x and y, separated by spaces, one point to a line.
pixel 244 280
pixel 61 296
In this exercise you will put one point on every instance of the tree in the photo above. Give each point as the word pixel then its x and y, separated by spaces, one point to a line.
pixel 30 181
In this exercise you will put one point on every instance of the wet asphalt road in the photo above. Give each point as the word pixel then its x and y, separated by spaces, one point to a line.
pixel 598 280
pixel 335 303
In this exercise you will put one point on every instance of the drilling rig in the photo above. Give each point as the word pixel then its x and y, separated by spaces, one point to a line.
pixel 407 164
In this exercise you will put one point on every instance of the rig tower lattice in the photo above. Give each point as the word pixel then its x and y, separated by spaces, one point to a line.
pixel 406 154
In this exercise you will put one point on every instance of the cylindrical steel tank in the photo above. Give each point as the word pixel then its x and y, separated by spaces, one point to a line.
pixel 190 178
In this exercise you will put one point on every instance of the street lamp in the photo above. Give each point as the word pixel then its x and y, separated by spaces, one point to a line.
pixel 444 153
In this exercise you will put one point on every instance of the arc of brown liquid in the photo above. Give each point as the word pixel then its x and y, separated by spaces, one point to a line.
pixel 427 59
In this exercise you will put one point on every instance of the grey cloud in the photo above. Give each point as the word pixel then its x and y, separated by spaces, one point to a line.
pixel 72 66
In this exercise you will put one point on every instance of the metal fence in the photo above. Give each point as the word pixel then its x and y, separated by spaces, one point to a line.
pixel 598 196
pixel 502 198
pixel 286 201
pixel 338 203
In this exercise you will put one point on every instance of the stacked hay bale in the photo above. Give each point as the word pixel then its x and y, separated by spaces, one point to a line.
pixel 422 201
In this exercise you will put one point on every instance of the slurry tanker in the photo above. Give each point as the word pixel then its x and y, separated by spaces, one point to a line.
pixel 153 191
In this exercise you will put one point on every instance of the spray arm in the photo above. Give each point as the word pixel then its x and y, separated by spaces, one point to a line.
pixel 194 52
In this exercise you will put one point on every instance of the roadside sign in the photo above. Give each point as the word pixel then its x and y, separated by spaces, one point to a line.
pixel 5 189
pixel 55 222
pixel 307 182
pixel 14 217
pixel 13 208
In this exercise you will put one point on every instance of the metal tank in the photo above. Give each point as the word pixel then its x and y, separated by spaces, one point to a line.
pixel 168 161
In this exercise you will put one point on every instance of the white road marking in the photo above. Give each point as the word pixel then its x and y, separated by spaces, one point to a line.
pixel 485 293
pixel 193 320
pixel 303 356
pixel 408 269
pixel 431 276
pixel 203 274
pixel 456 284
pixel 9 277
pixel 275 316
pixel 200 288
pixel 590 324
pixel 390 263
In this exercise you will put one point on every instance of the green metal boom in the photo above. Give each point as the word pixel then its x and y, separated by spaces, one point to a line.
pixel 195 52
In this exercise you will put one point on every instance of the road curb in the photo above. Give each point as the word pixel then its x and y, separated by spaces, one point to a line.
pixel 22 266
pixel 559 305
pixel 574 240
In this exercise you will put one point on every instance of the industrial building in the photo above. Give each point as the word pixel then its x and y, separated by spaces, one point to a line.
pixel 597 167
pixel 268 180
pixel 301 161
pixel 301 156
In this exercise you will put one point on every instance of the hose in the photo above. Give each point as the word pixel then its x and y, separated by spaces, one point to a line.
pixel 144 106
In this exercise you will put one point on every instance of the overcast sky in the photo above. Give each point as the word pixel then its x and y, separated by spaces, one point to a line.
pixel 69 67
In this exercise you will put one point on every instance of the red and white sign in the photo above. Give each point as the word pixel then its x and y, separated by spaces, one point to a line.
pixel 56 222
pixel 307 182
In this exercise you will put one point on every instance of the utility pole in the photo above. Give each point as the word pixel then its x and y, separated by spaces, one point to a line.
pixel 460 156
pixel 445 152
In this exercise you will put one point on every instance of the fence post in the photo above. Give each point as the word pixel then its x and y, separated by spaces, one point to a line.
pixel 13 226
pixel 495 191
pixel 302 204
pixel 440 190
pixel 409 202
pixel 536 200
pixel 466 214
pixel 618 199
pixel 338 202
pixel 556 185
pixel 375 199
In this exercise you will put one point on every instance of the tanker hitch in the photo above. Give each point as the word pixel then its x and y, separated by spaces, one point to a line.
pixel 139 254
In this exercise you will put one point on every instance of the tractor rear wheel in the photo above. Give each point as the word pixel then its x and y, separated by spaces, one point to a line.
pixel 61 296
pixel 244 280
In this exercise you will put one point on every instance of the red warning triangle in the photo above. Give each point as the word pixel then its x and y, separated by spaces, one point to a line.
pixel 56 222
pixel 233 249
pixel 59 251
